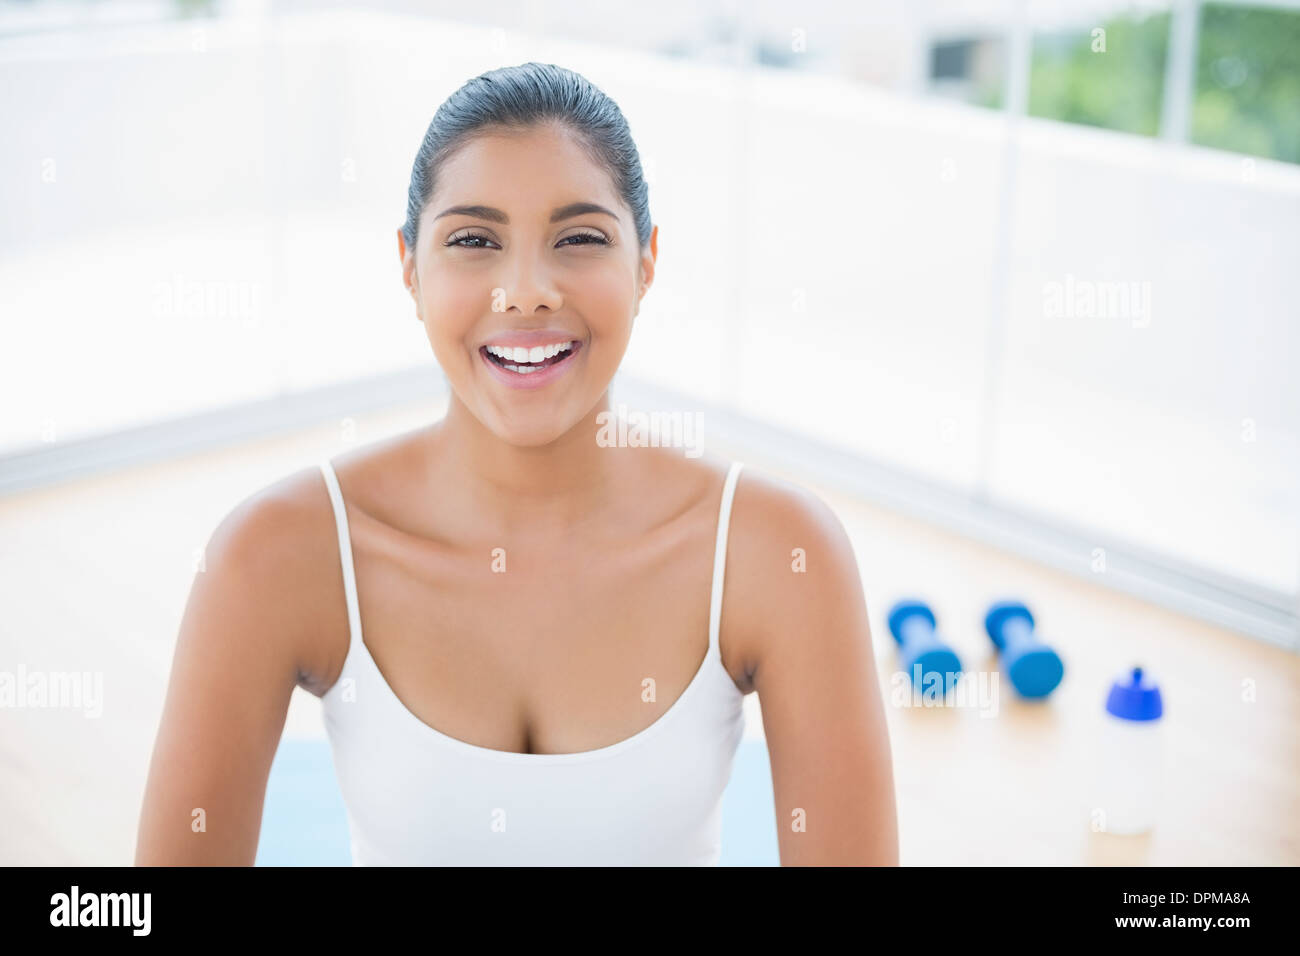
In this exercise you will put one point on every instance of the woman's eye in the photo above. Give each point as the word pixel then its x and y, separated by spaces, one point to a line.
pixel 586 238
pixel 475 241
pixel 469 237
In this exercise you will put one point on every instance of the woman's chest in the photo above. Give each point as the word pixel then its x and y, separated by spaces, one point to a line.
pixel 529 649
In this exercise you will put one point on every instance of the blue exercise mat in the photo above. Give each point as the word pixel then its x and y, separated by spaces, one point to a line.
pixel 304 822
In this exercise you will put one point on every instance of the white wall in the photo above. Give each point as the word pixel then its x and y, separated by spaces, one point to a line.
pixel 218 224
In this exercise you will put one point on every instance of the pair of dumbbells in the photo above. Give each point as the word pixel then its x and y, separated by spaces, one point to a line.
pixel 1033 668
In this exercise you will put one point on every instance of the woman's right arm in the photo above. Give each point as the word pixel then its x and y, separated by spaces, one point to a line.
pixel 237 660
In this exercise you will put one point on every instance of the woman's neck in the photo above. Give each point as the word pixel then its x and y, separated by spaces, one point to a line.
pixel 549 488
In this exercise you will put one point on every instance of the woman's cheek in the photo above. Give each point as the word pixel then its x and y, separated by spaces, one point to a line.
pixel 607 305
pixel 452 313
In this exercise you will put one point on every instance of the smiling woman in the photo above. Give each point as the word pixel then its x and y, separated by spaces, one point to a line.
pixel 559 631
pixel 527 200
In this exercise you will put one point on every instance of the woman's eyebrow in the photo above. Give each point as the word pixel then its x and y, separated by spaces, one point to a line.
pixel 496 215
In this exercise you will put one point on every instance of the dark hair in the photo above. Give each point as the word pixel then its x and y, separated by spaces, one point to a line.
pixel 528 95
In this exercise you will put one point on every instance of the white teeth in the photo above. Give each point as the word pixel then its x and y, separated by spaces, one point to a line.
pixel 539 353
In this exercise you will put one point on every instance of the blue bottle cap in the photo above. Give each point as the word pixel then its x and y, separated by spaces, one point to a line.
pixel 1135 696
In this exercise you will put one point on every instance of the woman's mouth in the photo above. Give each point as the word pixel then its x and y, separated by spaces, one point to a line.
pixel 529 368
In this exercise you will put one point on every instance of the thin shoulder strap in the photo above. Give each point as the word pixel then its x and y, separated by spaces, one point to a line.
pixel 720 556
pixel 345 550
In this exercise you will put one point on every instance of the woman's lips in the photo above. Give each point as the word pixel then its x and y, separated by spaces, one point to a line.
pixel 528 380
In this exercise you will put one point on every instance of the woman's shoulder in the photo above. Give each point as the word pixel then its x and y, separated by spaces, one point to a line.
pixel 766 506
pixel 785 507
pixel 275 540
pixel 276 557
pixel 275 522
pixel 790 559
pixel 289 525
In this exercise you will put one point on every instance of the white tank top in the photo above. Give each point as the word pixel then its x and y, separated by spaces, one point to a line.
pixel 418 797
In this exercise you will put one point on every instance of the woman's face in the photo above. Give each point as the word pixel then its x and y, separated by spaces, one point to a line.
pixel 527 269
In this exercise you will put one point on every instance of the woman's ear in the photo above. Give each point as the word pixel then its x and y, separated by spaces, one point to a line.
pixel 409 277
pixel 648 257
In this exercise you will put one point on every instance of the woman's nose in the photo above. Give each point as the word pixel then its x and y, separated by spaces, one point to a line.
pixel 528 284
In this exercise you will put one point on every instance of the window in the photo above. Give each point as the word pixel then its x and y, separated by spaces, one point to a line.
pixel 1248 81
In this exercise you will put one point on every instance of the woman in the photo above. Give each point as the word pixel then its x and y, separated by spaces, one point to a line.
pixel 551 671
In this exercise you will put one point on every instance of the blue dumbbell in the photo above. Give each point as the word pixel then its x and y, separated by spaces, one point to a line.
pixel 1034 668
pixel 913 626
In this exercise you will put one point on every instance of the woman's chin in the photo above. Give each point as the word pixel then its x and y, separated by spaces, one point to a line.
pixel 528 429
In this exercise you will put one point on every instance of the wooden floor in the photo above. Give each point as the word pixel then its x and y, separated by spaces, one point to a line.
pixel 94 576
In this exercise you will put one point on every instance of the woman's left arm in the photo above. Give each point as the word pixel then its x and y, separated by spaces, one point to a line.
pixel 802 613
